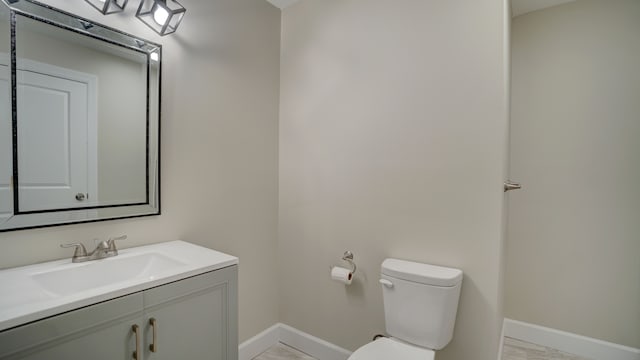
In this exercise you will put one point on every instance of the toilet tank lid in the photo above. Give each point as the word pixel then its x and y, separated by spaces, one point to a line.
pixel 421 273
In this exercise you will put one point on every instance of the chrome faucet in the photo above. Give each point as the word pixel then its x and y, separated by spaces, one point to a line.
pixel 104 249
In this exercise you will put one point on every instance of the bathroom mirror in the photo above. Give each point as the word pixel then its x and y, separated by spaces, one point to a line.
pixel 79 119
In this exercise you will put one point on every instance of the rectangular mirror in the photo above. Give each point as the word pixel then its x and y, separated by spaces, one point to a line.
pixel 79 119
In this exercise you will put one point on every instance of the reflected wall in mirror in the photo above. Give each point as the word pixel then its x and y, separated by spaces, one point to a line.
pixel 79 119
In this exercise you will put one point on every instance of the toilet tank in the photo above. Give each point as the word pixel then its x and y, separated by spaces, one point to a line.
pixel 420 302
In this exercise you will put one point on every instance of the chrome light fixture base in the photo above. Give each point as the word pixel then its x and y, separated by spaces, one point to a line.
pixel 163 16
pixel 107 7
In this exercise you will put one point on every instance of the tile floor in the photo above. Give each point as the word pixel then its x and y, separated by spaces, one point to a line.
pixel 519 350
pixel 513 350
pixel 283 352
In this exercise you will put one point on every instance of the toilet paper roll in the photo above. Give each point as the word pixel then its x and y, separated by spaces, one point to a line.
pixel 341 274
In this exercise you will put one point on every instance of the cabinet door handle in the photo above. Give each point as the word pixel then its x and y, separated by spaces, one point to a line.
pixel 154 327
pixel 136 330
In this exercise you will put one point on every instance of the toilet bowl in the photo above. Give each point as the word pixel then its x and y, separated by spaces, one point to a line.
pixel 420 307
pixel 391 349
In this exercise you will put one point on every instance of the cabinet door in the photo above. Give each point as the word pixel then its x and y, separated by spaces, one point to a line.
pixel 195 318
pixel 98 332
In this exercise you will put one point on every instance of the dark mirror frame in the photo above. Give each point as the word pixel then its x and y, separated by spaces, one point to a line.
pixel 54 217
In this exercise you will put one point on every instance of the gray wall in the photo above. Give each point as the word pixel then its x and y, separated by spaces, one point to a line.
pixel 393 129
pixel 219 148
pixel 573 249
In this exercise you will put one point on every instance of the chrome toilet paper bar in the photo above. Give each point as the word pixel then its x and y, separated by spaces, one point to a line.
pixel 348 257
pixel 341 274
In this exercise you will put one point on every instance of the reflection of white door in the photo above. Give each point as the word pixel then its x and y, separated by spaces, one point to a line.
pixel 55 122
pixel 52 141
pixel 6 158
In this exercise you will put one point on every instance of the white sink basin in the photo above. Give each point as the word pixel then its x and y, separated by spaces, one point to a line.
pixel 34 292
pixel 99 273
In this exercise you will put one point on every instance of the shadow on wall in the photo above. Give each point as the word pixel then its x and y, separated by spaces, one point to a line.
pixel 355 293
pixel 474 308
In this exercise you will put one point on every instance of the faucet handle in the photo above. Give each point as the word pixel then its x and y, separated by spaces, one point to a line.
pixel 112 242
pixel 102 245
pixel 80 249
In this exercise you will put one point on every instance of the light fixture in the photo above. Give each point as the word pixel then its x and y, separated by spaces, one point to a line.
pixel 163 16
pixel 108 6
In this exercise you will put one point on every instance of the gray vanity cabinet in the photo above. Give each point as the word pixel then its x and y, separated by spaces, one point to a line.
pixel 97 332
pixel 194 318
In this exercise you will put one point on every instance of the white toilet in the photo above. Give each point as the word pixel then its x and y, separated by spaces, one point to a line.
pixel 420 306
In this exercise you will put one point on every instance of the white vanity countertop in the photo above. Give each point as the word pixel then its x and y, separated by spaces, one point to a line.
pixel 38 291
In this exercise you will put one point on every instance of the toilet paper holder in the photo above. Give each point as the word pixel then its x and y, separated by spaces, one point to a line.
pixel 348 257
pixel 341 274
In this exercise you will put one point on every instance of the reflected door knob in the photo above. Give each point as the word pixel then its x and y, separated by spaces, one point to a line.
pixel 80 197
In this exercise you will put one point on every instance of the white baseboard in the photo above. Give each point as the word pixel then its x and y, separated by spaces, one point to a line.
pixel 311 345
pixel 308 344
pixel 571 343
pixel 259 343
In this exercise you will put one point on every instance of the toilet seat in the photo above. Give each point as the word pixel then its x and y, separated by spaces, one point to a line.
pixel 391 349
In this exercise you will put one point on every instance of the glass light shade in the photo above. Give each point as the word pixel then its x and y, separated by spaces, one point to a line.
pixel 108 6
pixel 163 16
